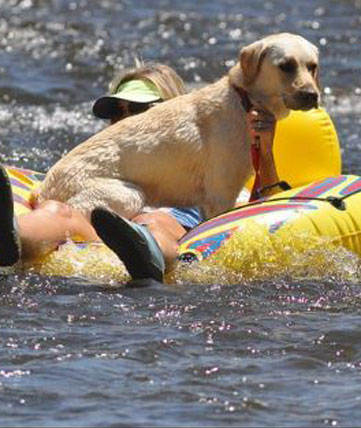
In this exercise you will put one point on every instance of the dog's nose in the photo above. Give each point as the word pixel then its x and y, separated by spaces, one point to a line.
pixel 308 98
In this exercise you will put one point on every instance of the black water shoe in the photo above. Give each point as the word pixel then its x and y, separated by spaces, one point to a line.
pixel 9 236
pixel 133 244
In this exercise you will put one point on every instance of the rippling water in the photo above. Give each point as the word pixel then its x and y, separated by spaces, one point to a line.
pixel 78 353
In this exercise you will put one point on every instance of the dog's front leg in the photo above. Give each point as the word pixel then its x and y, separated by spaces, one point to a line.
pixel 122 197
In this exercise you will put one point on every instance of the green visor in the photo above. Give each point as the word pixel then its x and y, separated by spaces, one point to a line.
pixel 136 91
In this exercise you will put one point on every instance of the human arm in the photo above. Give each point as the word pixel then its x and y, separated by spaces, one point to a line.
pixel 262 127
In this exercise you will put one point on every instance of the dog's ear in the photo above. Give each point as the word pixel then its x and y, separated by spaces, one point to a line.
pixel 250 59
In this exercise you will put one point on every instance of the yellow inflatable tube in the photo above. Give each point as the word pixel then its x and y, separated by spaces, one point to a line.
pixel 314 228
pixel 306 149
pixel 329 209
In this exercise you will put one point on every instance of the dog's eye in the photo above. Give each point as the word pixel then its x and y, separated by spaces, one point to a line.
pixel 312 68
pixel 288 66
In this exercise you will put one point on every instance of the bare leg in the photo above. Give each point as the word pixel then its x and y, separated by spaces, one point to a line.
pixel 38 232
pixel 166 230
pixel 133 243
pixel 43 229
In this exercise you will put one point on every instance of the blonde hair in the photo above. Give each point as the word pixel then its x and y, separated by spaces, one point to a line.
pixel 166 80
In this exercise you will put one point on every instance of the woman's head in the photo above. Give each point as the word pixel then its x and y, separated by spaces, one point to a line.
pixel 136 90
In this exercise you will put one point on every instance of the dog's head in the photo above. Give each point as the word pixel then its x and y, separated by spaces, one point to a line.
pixel 280 73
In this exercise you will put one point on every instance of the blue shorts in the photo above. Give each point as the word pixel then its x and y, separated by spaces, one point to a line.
pixel 191 217
pixel 187 217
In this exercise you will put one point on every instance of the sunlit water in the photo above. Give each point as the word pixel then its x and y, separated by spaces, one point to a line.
pixel 210 347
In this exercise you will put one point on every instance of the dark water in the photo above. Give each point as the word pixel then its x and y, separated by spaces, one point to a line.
pixel 74 353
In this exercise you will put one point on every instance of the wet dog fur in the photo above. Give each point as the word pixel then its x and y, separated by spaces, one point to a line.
pixel 193 150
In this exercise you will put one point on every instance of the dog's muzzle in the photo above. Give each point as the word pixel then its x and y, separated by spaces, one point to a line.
pixel 304 99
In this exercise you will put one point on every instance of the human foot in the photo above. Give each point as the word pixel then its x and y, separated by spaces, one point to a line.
pixel 9 237
pixel 132 242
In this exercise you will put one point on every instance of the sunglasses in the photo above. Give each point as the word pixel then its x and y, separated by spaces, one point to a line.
pixel 125 109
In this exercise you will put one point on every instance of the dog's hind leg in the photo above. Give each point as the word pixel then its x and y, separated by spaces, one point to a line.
pixel 122 197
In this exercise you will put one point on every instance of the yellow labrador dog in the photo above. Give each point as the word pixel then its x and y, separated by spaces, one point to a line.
pixel 193 150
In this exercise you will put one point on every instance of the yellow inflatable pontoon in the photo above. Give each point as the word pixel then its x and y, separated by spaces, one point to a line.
pixel 272 234
pixel 307 153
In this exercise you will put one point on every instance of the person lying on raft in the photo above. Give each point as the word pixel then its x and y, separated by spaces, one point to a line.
pixel 42 230
pixel 151 239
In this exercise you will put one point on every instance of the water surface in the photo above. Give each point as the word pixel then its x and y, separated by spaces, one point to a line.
pixel 281 352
